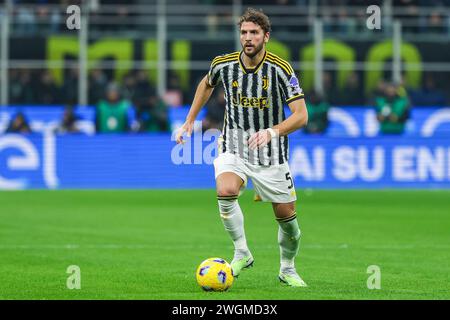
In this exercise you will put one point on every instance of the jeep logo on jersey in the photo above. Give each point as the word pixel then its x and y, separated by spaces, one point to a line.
pixel 295 85
pixel 250 102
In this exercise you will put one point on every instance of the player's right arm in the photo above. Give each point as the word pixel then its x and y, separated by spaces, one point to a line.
pixel 202 95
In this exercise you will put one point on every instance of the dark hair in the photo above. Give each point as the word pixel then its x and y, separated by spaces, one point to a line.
pixel 256 16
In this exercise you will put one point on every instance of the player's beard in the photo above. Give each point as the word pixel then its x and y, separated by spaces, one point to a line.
pixel 255 52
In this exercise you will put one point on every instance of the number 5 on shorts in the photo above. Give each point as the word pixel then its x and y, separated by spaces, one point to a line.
pixel 288 177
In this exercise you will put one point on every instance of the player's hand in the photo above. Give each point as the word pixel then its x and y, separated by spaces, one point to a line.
pixel 259 139
pixel 187 128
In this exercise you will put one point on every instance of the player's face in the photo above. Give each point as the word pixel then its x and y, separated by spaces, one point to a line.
pixel 253 38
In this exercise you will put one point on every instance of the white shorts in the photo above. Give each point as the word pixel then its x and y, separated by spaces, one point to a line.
pixel 272 183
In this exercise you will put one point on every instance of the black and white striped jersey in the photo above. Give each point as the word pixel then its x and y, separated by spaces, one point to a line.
pixel 254 101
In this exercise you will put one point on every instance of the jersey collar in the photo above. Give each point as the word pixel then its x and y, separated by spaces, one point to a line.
pixel 252 70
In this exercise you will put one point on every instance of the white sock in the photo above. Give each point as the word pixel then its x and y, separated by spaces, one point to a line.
pixel 233 221
pixel 289 241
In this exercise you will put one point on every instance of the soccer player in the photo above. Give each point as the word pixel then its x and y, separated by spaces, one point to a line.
pixel 254 139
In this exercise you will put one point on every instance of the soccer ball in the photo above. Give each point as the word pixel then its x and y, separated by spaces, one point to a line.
pixel 214 274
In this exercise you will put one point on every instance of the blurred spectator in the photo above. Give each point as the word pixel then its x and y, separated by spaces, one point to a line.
pixel 377 92
pixel 151 111
pixel 215 110
pixel 19 124
pixel 155 118
pixel 97 85
pixel 317 114
pixel 141 92
pixel 428 94
pixel 159 115
pixel 352 93
pixel 392 109
pixel 70 86
pixel 174 93
pixel 345 24
pixel 436 23
pixel 408 13
pixel 48 91
pixel 25 21
pixel 45 19
pixel 212 25
pixel 22 91
pixel 68 122
pixel 330 88
pixel 112 112
pixel 129 86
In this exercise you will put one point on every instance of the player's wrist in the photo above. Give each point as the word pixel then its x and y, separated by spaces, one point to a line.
pixel 189 120
pixel 273 133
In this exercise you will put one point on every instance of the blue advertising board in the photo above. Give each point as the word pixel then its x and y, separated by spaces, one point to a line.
pixel 51 161
pixel 361 121
pixel 344 121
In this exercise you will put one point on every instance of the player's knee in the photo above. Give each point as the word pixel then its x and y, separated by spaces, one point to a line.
pixel 227 197
pixel 227 191
pixel 284 210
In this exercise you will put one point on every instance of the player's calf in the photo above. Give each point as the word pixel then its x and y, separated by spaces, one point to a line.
pixel 233 221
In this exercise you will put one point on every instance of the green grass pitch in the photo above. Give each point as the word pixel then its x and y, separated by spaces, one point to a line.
pixel 147 244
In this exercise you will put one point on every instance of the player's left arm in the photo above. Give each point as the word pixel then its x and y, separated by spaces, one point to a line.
pixel 295 121
pixel 294 97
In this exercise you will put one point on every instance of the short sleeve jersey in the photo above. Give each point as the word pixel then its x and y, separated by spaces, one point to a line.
pixel 254 101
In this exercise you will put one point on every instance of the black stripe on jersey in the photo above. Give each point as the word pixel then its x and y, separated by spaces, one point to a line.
pixel 256 111
pixel 235 111
pixel 285 138
pixel 264 72
pixel 224 133
pixel 274 87
pixel 216 78
pixel 280 151
pixel 226 85
pixel 286 147
pixel 279 114
pixel 227 123
pixel 284 88
pixel 245 112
